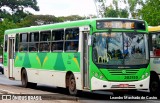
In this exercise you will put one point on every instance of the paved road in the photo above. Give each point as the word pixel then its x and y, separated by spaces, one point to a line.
pixel 4 80
pixel 61 96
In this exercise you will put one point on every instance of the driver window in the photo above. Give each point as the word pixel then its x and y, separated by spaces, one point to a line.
pixel 156 44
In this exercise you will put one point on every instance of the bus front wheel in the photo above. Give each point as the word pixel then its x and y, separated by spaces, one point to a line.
pixel 72 85
pixel 154 86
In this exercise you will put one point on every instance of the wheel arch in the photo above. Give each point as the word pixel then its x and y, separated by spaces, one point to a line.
pixel 154 74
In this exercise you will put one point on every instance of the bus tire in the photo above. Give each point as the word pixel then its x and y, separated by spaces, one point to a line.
pixel 24 80
pixel 2 71
pixel 72 85
pixel 154 85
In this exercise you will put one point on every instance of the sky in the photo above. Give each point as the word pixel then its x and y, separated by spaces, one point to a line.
pixel 66 7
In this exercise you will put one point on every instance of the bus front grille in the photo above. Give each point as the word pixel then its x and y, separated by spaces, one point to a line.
pixel 123 71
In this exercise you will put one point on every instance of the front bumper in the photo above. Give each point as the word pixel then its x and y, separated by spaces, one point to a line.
pixel 97 84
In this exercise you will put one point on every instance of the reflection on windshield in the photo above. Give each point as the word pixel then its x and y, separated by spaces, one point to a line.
pixel 119 48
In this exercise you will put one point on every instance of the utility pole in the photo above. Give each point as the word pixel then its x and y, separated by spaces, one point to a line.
pixel 100 7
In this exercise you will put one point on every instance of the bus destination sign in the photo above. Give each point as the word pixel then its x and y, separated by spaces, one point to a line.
pixel 120 25
pixel 115 24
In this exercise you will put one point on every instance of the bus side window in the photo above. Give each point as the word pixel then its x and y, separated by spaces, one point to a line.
pixel 20 48
pixel 57 40
pixel 71 46
pixel 24 37
pixel 72 34
pixel 72 39
pixel 45 39
pixel 33 41
pixel 44 47
pixel 23 42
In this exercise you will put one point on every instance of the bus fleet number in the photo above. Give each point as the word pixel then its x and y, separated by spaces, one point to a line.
pixel 131 77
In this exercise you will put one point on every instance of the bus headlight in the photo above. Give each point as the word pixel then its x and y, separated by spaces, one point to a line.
pixel 96 74
pixel 142 76
pixel 146 74
pixel 101 77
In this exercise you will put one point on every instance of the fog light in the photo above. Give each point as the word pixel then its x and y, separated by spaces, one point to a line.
pixel 104 86
pixel 141 85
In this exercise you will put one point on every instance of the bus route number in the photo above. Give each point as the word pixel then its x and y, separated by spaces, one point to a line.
pixel 131 77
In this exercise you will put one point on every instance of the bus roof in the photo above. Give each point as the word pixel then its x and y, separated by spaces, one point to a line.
pixel 153 28
pixel 61 25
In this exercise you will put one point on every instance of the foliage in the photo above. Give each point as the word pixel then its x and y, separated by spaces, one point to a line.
pixel 16 5
pixel 150 12
pixel 17 9
pixel 71 18
pixel 123 13
pixel 111 12
pixel 139 9
pixel 38 20
pixel 4 25
pixel 46 19
pixel 125 8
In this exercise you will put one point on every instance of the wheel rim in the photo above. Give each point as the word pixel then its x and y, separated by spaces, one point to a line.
pixel 72 84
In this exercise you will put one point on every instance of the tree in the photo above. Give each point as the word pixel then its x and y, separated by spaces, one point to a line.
pixel 111 12
pixel 125 8
pixel 17 8
pixel 134 7
pixel 150 12
pixel 123 13
pixel 16 5
pixel 38 20
pixel 5 24
pixel 46 19
pixel 71 18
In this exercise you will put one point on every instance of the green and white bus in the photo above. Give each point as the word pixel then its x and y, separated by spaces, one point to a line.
pixel 94 54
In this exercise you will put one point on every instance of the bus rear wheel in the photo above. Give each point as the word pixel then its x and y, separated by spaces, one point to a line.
pixel 24 80
pixel 72 85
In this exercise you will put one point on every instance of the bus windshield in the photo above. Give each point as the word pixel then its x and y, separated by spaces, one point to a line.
pixel 120 48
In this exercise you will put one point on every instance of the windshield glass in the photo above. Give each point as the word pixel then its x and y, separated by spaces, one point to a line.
pixel 120 48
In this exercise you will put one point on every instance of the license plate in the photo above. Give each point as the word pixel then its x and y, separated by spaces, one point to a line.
pixel 123 85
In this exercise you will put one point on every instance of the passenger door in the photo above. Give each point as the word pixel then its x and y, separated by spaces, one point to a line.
pixel 85 57
pixel 11 51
